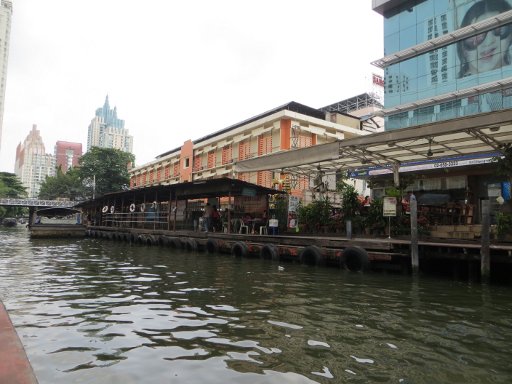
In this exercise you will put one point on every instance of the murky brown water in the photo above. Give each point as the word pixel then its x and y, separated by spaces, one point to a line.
pixel 94 311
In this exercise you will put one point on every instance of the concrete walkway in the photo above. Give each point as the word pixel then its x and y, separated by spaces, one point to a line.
pixel 14 365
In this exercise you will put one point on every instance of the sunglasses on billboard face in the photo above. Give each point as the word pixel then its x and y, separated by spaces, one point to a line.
pixel 473 42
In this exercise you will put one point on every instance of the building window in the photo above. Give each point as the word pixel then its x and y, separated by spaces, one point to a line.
pixel 211 159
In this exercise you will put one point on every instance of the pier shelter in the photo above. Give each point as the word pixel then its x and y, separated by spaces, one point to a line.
pixel 180 206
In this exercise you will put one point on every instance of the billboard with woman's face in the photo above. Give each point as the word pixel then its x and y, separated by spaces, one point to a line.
pixel 479 59
pixel 485 51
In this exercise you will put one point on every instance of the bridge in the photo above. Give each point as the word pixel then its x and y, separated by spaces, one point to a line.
pixel 35 203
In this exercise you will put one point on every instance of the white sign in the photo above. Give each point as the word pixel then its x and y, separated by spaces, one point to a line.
pixel 389 206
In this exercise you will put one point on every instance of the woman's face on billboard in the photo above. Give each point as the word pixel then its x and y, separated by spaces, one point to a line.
pixel 487 50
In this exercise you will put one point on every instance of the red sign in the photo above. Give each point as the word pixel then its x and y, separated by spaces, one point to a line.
pixel 378 80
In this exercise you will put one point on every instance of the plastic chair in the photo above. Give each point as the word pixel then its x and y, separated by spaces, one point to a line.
pixel 242 226
pixel 263 230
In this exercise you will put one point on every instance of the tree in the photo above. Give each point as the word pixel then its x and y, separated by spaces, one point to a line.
pixel 11 187
pixel 504 162
pixel 63 185
pixel 105 170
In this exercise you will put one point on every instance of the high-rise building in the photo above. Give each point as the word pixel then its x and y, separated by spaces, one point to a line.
pixel 107 130
pixel 445 59
pixel 33 164
pixel 5 32
pixel 67 154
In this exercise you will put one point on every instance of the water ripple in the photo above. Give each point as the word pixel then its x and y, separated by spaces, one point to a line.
pixel 96 311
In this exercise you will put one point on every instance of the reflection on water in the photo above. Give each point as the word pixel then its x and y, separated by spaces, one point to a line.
pixel 94 311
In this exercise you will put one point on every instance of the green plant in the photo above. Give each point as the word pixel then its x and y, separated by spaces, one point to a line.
pixel 503 224
pixel 315 215
pixel 349 199
pixel 374 217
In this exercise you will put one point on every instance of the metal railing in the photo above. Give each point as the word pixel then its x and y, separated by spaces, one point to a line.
pixel 37 203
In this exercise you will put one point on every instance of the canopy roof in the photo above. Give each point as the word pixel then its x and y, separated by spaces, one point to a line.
pixel 475 135
pixel 222 187
pixel 56 212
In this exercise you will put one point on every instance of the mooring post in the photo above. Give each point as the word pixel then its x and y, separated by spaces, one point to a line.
pixel 485 256
pixel 415 261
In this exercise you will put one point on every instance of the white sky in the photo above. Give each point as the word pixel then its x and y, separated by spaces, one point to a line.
pixel 178 70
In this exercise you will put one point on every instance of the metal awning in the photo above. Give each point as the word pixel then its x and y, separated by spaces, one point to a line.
pixel 201 189
pixel 475 135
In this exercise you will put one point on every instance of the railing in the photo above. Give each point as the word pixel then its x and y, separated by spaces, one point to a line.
pixel 37 203
pixel 148 220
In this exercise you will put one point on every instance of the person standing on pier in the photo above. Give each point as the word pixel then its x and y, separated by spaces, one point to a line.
pixel 207 217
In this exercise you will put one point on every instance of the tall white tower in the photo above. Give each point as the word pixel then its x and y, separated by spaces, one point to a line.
pixel 107 130
pixel 5 33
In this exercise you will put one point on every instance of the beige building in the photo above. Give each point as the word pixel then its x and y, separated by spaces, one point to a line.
pixel 284 128
pixel 33 164
pixel 5 32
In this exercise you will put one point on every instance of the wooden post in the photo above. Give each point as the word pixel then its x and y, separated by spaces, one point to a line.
pixel 485 256
pixel 415 262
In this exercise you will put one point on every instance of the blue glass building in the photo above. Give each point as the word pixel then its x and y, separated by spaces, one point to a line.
pixel 445 59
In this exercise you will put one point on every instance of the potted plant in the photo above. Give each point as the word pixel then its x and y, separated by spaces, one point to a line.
pixel 349 204
pixel 374 219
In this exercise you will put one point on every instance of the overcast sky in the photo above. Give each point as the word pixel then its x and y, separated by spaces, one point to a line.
pixel 178 70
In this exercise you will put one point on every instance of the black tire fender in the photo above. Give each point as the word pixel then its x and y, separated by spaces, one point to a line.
pixel 240 249
pixel 355 259
pixel 174 243
pixel 269 252
pixel 151 240
pixel 191 244
pixel 212 246
pixel 311 255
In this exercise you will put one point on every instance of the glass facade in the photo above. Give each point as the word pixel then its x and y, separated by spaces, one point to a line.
pixel 480 59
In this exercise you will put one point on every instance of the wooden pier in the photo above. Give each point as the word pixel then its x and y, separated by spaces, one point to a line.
pixel 355 254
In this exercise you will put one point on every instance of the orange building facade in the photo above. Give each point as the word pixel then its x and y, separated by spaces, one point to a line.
pixel 290 126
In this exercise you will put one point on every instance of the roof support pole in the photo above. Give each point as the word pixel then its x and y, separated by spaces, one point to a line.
pixel 175 210
pixel 415 262
pixel 396 174
pixel 157 212
pixel 169 211
pixel 229 211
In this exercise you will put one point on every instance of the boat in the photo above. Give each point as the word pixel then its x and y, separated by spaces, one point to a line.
pixel 57 223
pixel 9 222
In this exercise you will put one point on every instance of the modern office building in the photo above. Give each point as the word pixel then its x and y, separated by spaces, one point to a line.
pixel 445 59
pixel 67 154
pixel 5 32
pixel 33 164
pixel 287 127
pixel 449 63
pixel 106 130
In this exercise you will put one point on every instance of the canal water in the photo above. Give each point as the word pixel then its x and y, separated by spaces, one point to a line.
pixel 96 311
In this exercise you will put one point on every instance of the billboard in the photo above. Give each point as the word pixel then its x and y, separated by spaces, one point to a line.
pixel 479 59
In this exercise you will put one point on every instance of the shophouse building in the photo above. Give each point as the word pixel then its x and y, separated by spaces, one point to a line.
pixel 33 164
pixel 286 127
pixel 447 60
